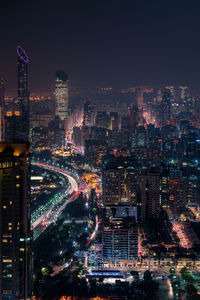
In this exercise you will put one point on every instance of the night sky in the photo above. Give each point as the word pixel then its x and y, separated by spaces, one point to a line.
pixel 102 43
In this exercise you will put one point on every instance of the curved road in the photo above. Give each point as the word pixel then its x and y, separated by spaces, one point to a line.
pixel 51 214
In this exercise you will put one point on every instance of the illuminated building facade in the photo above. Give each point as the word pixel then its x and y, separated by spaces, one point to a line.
pixel 174 195
pixel 2 92
pixel 120 196
pixel 120 236
pixel 94 151
pixel 61 90
pixel 22 92
pixel 165 107
pixel 2 108
pixel 15 234
pixel 88 114
pixel 114 121
pixel 119 179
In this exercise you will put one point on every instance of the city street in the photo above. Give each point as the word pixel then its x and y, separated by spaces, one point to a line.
pixel 52 213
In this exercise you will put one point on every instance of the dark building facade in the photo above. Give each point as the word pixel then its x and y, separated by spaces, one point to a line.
pixel 2 108
pixel 165 107
pixel 15 234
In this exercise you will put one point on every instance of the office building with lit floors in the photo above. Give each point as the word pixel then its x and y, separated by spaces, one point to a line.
pixel 61 101
pixel 120 237
pixel 61 92
pixel 22 94
pixel 16 120
pixel 15 234
pixel 120 180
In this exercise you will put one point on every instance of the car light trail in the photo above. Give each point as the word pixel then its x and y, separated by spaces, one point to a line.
pixel 51 214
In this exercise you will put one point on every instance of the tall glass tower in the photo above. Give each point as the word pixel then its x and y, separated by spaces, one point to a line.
pixel 61 91
pixel 22 91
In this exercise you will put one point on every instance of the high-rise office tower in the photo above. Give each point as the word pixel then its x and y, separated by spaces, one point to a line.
pixel 150 193
pixel 61 90
pixel 120 236
pixel 165 107
pixel 120 197
pixel 114 121
pixel 2 108
pixel 22 92
pixel 15 234
pixel 88 114
pixel 2 92
pixel 119 180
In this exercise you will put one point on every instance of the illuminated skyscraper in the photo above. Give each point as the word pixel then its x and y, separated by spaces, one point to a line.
pixel 2 108
pixel 61 90
pixel 119 180
pixel 89 113
pixel 120 196
pixel 165 107
pixel 2 92
pixel 120 236
pixel 22 93
pixel 15 236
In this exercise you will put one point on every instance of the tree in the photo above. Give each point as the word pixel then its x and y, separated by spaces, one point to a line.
pixel 147 276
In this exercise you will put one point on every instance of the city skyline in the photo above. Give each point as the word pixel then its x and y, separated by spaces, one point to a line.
pixel 100 150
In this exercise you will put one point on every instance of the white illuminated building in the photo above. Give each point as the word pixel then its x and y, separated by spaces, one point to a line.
pixel 61 91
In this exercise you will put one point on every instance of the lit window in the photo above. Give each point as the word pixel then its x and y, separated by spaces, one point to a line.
pixel 17 113
pixel 7 260
pixel 7 292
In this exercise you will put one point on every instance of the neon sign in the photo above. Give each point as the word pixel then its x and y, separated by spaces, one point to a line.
pixel 22 54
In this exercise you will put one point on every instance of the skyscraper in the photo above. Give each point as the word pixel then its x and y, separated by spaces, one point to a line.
pixel 2 92
pixel 119 226
pixel 22 91
pixel 61 90
pixel 15 236
pixel 150 193
pixel 2 108
pixel 119 180
pixel 165 107
pixel 120 236
pixel 89 113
